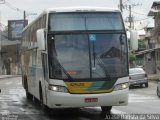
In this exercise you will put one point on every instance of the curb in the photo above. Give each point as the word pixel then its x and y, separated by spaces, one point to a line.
pixel 9 76
pixel 154 77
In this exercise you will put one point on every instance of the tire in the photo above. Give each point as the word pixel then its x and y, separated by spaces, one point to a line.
pixel 28 95
pixel 158 93
pixel 43 106
pixel 146 85
pixel 105 110
pixel 35 100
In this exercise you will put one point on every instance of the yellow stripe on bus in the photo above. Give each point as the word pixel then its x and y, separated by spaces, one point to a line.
pixel 83 87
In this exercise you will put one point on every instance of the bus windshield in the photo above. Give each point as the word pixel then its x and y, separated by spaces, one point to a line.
pixel 79 56
pixel 97 51
pixel 85 21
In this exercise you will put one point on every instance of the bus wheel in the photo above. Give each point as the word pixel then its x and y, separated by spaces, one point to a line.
pixel 158 92
pixel 106 110
pixel 43 106
pixel 28 95
pixel 146 84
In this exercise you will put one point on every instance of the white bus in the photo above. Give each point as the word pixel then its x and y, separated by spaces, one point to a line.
pixel 76 57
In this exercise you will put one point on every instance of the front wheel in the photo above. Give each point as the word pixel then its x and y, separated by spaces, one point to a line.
pixel 43 106
pixel 106 110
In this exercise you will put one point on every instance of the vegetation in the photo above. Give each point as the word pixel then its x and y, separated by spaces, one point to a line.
pixel 132 57
pixel 158 20
pixel 141 45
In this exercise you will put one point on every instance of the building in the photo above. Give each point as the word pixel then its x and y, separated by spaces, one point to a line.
pixel 151 56
pixel 9 60
pixel 10 47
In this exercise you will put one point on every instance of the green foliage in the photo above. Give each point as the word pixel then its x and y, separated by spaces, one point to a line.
pixel 158 19
pixel 141 45
pixel 132 57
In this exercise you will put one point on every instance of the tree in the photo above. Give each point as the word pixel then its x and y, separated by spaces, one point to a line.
pixel 132 58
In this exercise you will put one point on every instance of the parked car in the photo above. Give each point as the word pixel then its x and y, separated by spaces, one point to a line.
pixel 158 89
pixel 137 76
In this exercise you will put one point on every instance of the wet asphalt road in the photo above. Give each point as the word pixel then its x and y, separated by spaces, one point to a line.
pixel 13 102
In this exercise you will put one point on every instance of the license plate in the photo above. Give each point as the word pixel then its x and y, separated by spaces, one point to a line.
pixel 88 100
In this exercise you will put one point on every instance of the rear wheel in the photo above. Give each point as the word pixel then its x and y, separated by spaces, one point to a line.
pixel 158 92
pixel 146 84
pixel 28 95
pixel 106 110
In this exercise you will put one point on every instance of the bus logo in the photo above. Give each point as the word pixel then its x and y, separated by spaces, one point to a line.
pixel 77 84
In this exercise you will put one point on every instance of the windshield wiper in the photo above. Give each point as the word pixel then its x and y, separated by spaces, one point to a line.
pixel 61 67
pixel 53 56
pixel 101 64
pixel 65 72
pixel 94 55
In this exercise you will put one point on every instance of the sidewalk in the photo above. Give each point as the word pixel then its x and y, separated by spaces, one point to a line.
pixel 154 77
pixel 8 76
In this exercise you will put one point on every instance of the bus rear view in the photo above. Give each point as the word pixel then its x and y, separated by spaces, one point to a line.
pixel 86 59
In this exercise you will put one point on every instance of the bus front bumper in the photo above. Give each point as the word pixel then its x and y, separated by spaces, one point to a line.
pixel 67 100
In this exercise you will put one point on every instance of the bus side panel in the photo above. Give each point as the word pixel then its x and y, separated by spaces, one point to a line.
pixel 39 78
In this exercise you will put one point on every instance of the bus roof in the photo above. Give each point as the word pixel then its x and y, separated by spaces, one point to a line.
pixel 74 9
pixel 82 9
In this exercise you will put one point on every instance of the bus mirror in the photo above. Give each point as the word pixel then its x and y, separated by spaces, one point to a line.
pixel 41 39
pixel 134 40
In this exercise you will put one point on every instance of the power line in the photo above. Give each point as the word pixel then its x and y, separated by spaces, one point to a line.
pixel 139 14
pixel 133 4
pixel 121 4
pixel 125 1
pixel 18 9
pixel 136 12
pixel 13 7
pixel 142 19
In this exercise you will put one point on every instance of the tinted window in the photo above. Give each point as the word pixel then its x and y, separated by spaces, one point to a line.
pixel 85 21
pixel 136 71
pixel 79 57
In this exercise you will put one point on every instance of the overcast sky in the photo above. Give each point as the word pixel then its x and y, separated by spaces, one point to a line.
pixel 8 12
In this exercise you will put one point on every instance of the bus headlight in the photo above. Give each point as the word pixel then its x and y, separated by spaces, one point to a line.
pixel 57 88
pixel 121 86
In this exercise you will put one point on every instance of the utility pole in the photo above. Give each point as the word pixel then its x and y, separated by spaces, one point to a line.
pixel 121 5
pixel 26 15
pixel 130 19
pixel 24 19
